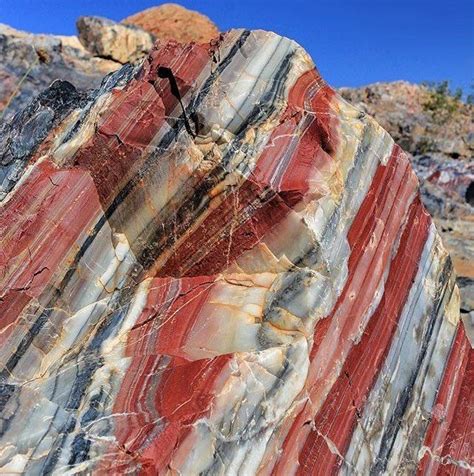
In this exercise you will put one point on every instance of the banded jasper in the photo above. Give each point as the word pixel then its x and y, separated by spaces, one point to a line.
pixel 214 264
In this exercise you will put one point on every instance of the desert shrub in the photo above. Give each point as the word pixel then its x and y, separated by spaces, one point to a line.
pixel 470 97
pixel 441 102
pixel 425 145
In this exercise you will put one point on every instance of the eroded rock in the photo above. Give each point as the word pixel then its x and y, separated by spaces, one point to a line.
pixel 174 22
pixel 217 265
pixel 30 63
pixel 108 39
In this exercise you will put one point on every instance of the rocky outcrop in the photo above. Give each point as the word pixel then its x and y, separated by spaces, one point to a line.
pixel 30 63
pixel 405 110
pixel 439 137
pixel 214 264
pixel 21 136
pixel 108 39
pixel 174 22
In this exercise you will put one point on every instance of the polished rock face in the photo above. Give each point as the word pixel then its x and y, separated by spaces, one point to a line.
pixel 213 263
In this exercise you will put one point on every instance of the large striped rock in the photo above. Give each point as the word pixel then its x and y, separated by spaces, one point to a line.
pixel 216 265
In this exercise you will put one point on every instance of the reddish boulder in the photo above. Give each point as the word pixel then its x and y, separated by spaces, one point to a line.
pixel 174 22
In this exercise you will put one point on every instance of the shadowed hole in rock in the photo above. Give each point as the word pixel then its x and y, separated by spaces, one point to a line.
pixel 470 194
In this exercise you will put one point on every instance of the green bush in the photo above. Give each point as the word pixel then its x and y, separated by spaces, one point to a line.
pixel 441 101
pixel 470 97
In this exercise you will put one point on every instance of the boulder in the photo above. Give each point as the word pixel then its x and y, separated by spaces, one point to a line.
pixel 214 264
pixel 29 63
pixel 107 39
pixel 174 22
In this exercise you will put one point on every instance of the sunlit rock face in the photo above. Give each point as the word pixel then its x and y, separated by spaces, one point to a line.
pixel 29 63
pixel 106 39
pixel 170 21
pixel 214 264
pixel 440 146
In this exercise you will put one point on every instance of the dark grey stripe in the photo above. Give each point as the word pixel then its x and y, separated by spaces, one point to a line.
pixel 166 141
pixel 443 293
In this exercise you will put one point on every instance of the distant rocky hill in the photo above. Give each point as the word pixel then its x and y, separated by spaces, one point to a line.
pixel 437 131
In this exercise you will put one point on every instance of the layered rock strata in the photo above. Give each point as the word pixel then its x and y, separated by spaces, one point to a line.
pixel 29 63
pixel 440 143
pixel 214 264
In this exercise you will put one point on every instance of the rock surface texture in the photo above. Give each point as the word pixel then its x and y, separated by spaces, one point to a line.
pixel 30 63
pixel 440 144
pixel 214 264
pixel 108 39
pixel 174 22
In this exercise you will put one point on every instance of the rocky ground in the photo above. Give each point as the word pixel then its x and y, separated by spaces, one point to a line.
pixel 436 131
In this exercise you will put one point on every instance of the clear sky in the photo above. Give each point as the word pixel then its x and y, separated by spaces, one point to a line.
pixel 353 42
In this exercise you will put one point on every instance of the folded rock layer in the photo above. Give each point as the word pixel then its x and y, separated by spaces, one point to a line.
pixel 214 264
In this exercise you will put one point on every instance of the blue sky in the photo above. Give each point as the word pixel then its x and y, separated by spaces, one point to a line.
pixel 353 42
